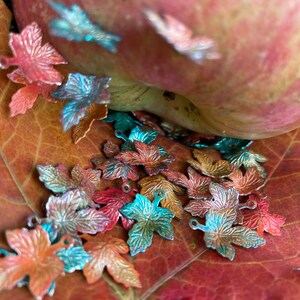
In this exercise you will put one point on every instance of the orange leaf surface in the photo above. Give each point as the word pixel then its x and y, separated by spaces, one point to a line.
pixel 183 267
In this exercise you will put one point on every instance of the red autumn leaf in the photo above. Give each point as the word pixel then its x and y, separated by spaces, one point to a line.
pixel 147 155
pixel 196 184
pixel 26 96
pixel 106 253
pixel 261 219
pixel 114 199
pixel 183 267
pixel 245 184
pixel 33 60
pixel 36 258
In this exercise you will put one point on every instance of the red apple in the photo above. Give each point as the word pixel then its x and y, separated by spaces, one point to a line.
pixel 253 91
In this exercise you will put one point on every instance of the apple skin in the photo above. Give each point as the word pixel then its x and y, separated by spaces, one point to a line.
pixel 253 91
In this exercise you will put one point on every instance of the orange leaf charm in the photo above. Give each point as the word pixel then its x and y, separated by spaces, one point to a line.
pixel 105 252
pixel 36 258
pixel 245 184
pixel 171 201
pixel 207 166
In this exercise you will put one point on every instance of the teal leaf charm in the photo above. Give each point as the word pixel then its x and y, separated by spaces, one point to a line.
pixel 122 121
pixel 75 25
pixel 220 234
pixel 74 258
pixel 82 91
pixel 150 217
pixel 248 159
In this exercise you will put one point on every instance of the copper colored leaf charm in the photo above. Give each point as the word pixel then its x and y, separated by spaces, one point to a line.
pixel 114 169
pixel 196 48
pixel 105 252
pixel 25 97
pixel 94 112
pixel 196 185
pixel 150 217
pixel 36 258
pixel 114 199
pixel 111 149
pixel 33 60
pixel 58 180
pixel 63 211
pixel 248 159
pixel 261 219
pixel 171 201
pixel 223 198
pixel 75 25
pixel 246 184
pixel 82 91
pixel 207 166
pixel 220 235
pixel 148 156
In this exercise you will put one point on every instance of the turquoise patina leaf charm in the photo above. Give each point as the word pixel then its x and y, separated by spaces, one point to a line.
pixel 75 25
pixel 150 218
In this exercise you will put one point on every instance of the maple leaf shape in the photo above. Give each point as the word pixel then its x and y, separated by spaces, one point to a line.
pixel 196 48
pixel 261 219
pixel 196 185
pixel 114 169
pixel 57 179
pixel 148 156
pixel 105 252
pixel 248 159
pixel 171 201
pixel 63 211
pixel 94 112
pixel 36 258
pixel 205 165
pixel 122 121
pixel 149 218
pixel 223 198
pixel 33 60
pixel 25 97
pixel 245 184
pixel 114 199
pixel 110 149
pixel 219 233
pixel 75 25
pixel 82 90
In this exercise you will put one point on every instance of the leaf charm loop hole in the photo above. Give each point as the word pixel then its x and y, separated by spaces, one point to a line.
pixel 33 221
pixel 194 224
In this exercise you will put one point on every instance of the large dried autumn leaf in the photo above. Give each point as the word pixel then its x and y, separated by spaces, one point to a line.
pixel 37 138
pixel 36 258
pixel 105 252
pixel 171 201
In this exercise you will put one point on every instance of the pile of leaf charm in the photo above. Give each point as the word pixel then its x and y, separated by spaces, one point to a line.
pixel 146 197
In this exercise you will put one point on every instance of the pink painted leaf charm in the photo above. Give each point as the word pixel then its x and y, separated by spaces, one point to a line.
pixel 196 48
pixel 196 184
pixel 114 199
pixel 148 156
pixel 26 96
pixel 33 60
pixel 261 219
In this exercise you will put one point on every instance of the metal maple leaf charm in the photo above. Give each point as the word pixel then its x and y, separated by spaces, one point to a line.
pixel 152 184
pixel 207 166
pixel 105 253
pixel 150 217
pixel 196 185
pixel 220 233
